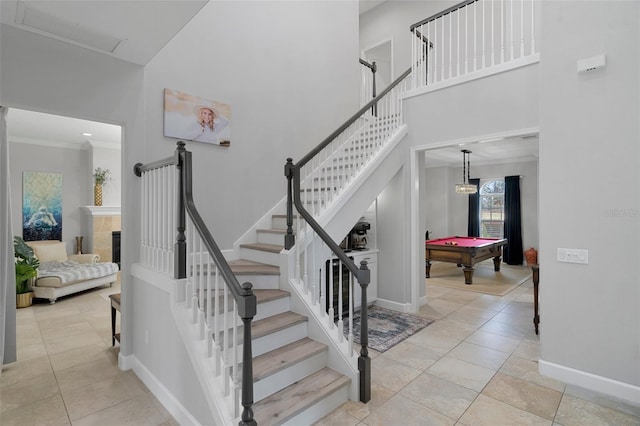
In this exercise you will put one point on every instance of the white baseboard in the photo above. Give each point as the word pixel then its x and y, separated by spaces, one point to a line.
pixel 591 381
pixel 394 306
pixel 166 398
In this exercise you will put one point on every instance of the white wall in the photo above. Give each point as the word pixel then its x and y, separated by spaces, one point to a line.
pixel 391 20
pixel 290 72
pixel 589 171
pixel 71 164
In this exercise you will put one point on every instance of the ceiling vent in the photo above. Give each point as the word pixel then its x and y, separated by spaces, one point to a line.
pixel 65 30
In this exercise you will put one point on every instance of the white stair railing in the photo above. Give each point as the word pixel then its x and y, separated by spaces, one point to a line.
pixel 471 37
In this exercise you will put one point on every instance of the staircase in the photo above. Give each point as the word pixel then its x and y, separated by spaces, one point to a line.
pixel 292 383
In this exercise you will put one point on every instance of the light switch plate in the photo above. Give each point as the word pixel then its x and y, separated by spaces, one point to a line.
pixel 573 255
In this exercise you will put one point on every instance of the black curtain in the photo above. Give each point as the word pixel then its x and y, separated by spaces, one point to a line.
pixel 473 227
pixel 513 254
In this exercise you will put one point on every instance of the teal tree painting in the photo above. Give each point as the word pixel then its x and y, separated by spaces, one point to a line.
pixel 41 206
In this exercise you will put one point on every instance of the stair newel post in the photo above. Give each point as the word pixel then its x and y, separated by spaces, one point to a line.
pixel 289 238
pixel 364 362
pixel 180 248
pixel 247 310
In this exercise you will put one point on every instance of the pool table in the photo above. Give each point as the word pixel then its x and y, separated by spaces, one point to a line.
pixel 464 251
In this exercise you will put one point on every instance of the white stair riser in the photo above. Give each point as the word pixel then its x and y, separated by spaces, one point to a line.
pixel 288 376
pixel 280 338
pixel 260 282
pixel 272 307
pixel 281 222
pixel 270 238
pixel 320 408
pixel 260 256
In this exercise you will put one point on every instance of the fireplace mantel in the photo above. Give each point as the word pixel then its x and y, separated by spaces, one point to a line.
pixel 102 210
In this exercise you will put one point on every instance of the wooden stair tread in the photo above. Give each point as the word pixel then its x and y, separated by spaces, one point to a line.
pixel 292 400
pixel 248 267
pixel 268 295
pixel 285 356
pixel 275 323
pixel 271 248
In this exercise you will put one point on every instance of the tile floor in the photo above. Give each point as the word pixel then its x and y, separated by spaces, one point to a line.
pixel 67 371
pixel 476 365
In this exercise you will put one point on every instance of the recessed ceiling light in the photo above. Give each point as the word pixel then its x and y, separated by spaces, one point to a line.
pixel 86 134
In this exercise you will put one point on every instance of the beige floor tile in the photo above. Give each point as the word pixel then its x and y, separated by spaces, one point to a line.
pixel 25 370
pixel 412 355
pixel 30 351
pixel 528 349
pixel 138 411
pixel 460 297
pixel 49 411
pixel 435 342
pixel 67 343
pixel 27 391
pixel 81 375
pixel 578 412
pixel 402 411
pixel 507 329
pixel 72 329
pixel 440 395
pixel 479 355
pixel 97 396
pixel 535 399
pixel 338 417
pixel 359 410
pixel 82 355
pixel 449 328
pixel 607 401
pixel 485 411
pixel 526 369
pixel 494 341
pixel 463 373
pixel 392 374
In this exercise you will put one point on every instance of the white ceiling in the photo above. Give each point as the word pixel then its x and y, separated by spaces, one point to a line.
pixel 489 151
pixel 133 30
pixel 138 37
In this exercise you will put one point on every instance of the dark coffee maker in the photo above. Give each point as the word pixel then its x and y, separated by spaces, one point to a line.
pixel 358 235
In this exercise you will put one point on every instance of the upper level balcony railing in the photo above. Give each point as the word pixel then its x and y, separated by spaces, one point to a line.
pixel 473 39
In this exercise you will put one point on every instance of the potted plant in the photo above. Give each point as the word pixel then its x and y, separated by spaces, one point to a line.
pixel 100 178
pixel 26 269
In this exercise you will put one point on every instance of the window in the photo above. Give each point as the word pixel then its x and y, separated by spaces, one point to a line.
pixel 492 209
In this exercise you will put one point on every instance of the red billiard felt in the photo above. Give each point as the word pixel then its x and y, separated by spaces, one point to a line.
pixel 463 241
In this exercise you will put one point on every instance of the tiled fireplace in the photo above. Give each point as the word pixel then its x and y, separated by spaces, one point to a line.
pixel 103 220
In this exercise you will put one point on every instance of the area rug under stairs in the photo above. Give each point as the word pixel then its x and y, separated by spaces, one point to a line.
pixel 387 328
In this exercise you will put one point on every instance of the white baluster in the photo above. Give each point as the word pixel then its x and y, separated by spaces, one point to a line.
pixel 483 36
pixel 521 28
pixel 502 31
pixel 450 43
pixel 458 57
pixel 466 39
pixel 533 28
pixel 475 36
pixel 511 57
pixel 493 46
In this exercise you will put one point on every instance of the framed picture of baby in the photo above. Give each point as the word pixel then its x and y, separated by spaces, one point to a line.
pixel 192 118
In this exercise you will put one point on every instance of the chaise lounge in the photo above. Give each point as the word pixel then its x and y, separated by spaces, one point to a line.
pixel 60 275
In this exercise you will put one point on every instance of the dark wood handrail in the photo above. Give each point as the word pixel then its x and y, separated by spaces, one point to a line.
pixel 304 160
pixel 362 273
pixel 242 294
pixel 444 12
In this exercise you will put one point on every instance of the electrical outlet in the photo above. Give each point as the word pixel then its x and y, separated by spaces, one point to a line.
pixel 573 256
